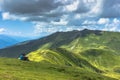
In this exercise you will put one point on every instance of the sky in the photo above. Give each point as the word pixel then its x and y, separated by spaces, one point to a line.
pixel 37 18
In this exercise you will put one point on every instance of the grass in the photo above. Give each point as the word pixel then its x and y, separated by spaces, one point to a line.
pixel 14 69
pixel 99 60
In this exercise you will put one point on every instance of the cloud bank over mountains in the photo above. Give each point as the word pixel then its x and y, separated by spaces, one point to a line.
pixel 64 14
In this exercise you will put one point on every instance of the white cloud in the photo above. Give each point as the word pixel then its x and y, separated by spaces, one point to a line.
pixel 73 6
pixel 5 16
pixel 113 26
pixel 8 32
pixel 110 27
pixel 89 22
pixel 39 27
pixel 116 21
pixel 8 16
pixel 77 16
pixel 2 30
pixel 69 29
pixel 61 22
pixel 43 28
pixel 97 9
pixel 103 21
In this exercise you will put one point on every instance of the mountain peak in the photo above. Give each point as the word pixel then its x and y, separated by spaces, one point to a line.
pixel 85 29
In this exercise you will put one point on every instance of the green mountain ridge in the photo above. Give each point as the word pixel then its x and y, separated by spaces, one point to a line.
pixel 55 40
pixel 92 50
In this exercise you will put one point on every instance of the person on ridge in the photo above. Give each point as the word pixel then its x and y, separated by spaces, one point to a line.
pixel 23 57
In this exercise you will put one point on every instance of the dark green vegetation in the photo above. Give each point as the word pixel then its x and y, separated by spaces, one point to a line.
pixel 13 69
pixel 93 51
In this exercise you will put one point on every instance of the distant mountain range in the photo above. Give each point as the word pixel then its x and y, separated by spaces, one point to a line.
pixel 6 40
pixel 93 50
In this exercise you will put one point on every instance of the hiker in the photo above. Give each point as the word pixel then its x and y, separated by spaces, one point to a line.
pixel 23 57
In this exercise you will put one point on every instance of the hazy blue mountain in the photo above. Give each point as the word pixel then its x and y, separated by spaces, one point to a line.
pixel 6 40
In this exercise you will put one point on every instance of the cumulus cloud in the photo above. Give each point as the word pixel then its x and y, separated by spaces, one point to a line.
pixel 53 14
pixel 106 24
pixel 45 28
pixel 2 30
pixel 88 22
pixel 61 22
pixel 45 10
pixel 8 16
pixel 103 21
pixel 42 28
pixel 113 26
pixel 73 6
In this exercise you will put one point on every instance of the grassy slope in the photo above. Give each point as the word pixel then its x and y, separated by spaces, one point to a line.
pixel 107 40
pixel 61 57
pixel 91 51
pixel 105 60
pixel 94 60
pixel 13 69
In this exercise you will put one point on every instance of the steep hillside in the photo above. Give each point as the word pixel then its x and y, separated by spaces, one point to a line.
pixel 13 69
pixel 61 57
pixel 101 61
